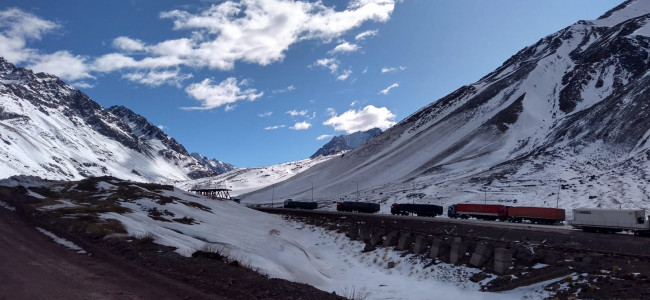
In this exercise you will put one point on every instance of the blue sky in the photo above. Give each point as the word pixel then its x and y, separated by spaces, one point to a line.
pixel 261 82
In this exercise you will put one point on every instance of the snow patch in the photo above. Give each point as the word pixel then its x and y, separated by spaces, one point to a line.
pixel 61 241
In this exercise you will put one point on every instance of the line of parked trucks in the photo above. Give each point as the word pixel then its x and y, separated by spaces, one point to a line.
pixel 587 219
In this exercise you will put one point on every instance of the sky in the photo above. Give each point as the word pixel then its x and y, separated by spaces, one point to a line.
pixel 262 82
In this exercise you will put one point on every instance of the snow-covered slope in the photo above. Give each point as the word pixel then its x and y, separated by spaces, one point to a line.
pixel 569 114
pixel 52 130
pixel 342 143
pixel 242 181
pixel 267 243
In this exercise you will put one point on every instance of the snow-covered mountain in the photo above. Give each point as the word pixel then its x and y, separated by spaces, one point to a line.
pixel 342 143
pixel 562 122
pixel 241 181
pixel 52 130
pixel 213 164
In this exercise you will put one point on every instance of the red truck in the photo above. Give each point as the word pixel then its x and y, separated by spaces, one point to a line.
pixel 541 215
pixel 479 211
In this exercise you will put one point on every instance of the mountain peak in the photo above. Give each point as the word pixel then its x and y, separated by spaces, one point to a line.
pixel 346 142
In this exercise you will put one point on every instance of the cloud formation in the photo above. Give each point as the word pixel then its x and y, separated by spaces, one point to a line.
pixel 224 93
pixel 392 69
pixel 300 126
pixel 252 31
pixel 369 33
pixel 369 117
pixel 386 90
pixel 295 113
pixel 344 47
pixel 324 136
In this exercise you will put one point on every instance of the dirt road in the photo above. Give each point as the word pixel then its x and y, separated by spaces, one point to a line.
pixel 32 266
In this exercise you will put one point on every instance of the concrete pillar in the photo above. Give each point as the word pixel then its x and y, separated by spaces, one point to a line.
pixel 458 249
pixel 405 241
pixel 420 244
pixel 391 239
pixel 481 255
pixel 438 248
pixel 502 260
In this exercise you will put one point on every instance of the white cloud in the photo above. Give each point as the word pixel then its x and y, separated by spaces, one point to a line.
pixel 284 90
pixel 329 63
pixel 226 92
pixel 369 117
pixel 343 76
pixel 62 64
pixel 260 31
pixel 300 126
pixel 128 44
pixel 369 33
pixel 295 113
pixel 392 69
pixel 274 127
pixel 354 103
pixel 386 90
pixel 345 47
pixel 323 137
pixel 155 78
pixel 265 114
pixel 16 28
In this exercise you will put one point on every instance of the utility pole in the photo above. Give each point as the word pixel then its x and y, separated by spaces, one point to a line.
pixel 357 188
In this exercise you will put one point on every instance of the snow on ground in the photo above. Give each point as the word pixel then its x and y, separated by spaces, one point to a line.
pixel 298 252
pixel 61 241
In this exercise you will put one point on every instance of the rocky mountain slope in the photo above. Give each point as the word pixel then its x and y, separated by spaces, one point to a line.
pixel 342 143
pixel 213 164
pixel 562 122
pixel 52 130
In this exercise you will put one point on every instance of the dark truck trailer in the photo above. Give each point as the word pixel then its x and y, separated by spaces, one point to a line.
pixel 540 215
pixel 365 207
pixel 300 204
pixel 479 211
pixel 426 210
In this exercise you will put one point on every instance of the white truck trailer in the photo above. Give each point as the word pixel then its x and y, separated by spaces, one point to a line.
pixel 610 220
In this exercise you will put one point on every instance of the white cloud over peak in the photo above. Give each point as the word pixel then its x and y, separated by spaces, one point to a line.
pixel 62 64
pixel 344 47
pixel 300 126
pixel 387 90
pixel 323 137
pixel 369 117
pixel 18 27
pixel 224 93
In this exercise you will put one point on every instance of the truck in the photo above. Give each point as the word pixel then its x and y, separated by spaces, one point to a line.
pixel 611 220
pixel 540 215
pixel 365 207
pixel 426 210
pixel 479 211
pixel 289 203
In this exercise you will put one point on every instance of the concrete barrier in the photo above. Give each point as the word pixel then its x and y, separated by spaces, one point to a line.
pixel 502 260
pixel 420 244
pixel 405 241
pixel 458 249
pixel 481 255
pixel 439 248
